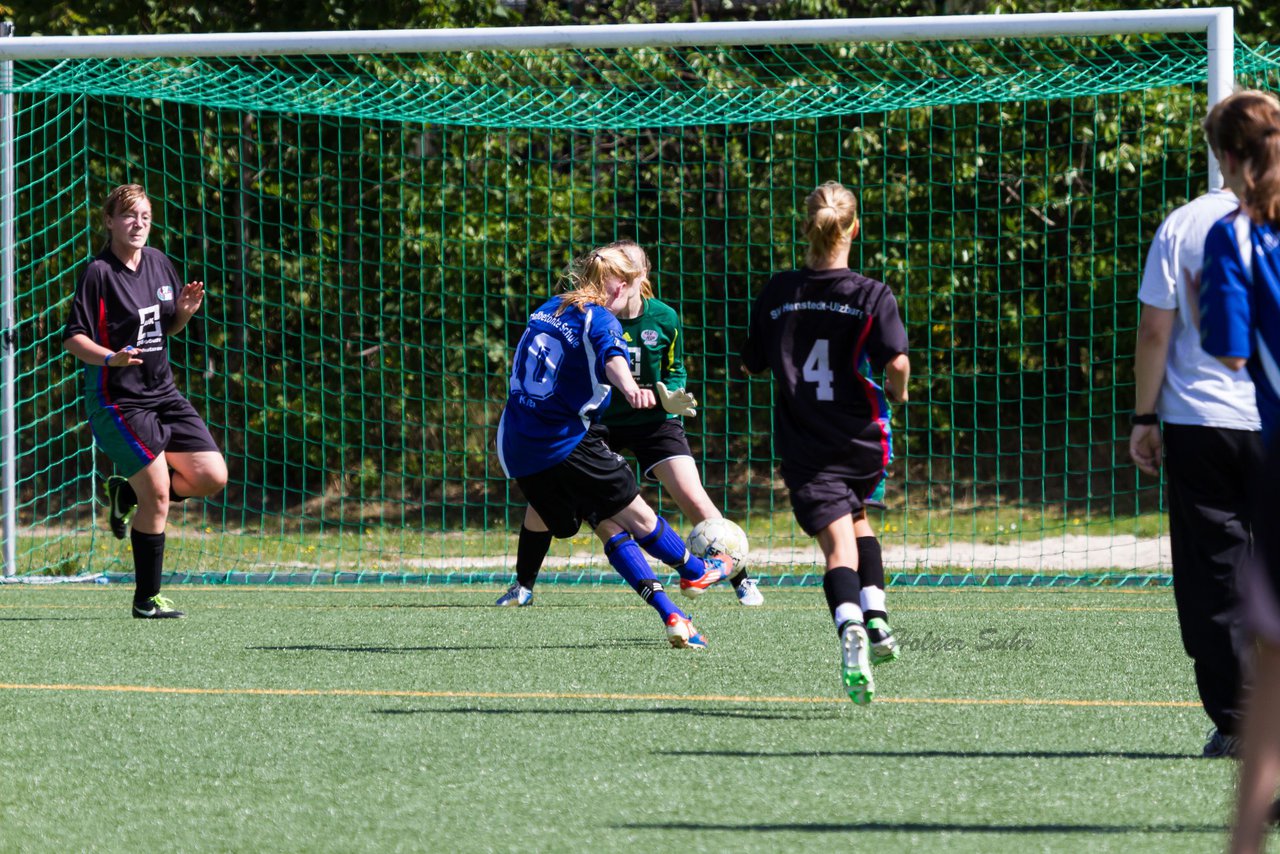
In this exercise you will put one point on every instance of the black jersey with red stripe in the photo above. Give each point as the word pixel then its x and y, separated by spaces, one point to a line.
pixel 823 334
pixel 119 307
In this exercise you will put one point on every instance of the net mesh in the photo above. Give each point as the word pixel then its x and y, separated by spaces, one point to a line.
pixel 374 231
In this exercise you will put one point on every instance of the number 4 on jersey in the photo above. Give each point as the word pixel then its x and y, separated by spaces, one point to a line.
pixel 817 369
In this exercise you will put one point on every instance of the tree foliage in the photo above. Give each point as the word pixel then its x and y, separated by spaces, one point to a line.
pixel 375 275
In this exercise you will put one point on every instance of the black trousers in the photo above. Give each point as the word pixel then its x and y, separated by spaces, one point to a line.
pixel 1210 472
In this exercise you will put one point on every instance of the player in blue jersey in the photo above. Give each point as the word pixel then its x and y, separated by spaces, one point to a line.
pixel 127 302
pixel 655 437
pixel 570 355
pixel 1240 325
pixel 822 331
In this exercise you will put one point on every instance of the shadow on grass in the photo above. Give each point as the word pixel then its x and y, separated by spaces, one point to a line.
pixel 925 827
pixel 45 619
pixel 934 754
pixel 692 711
pixel 614 643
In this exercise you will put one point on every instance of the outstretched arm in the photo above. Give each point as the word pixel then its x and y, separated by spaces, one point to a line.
pixel 618 370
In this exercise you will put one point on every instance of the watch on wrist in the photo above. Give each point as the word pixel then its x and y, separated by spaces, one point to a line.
pixel 1144 418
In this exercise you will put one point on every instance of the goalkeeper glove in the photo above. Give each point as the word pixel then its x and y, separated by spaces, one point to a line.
pixel 678 402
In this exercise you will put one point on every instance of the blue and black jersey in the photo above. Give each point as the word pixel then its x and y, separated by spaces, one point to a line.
pixel 558 386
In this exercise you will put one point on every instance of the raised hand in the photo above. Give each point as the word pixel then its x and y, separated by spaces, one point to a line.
pixel 190 299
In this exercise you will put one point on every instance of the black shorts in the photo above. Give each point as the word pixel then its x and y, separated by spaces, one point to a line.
pixel 591 484
pixel 820 498
pixel 134 435
pixel 652 444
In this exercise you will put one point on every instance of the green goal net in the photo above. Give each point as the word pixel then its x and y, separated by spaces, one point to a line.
pixel 375 229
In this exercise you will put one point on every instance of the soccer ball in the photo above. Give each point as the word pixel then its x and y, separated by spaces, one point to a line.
pixel 719 536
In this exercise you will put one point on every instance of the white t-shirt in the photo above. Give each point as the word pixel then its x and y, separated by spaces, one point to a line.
pixel 1198 389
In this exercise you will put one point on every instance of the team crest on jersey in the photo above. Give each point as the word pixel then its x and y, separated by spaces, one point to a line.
pixel 165 293
pixel 649 337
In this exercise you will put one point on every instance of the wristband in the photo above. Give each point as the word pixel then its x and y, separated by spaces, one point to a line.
pixel 1139 419
pixel 107 360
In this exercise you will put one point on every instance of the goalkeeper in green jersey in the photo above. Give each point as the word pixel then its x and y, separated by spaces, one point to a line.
pixel 656 437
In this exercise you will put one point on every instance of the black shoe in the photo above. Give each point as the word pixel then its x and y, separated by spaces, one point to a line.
pixel 155 608
pixel 1221 746
pixel 121 502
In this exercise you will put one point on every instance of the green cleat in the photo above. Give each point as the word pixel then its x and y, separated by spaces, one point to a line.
pixel 121 502
pixel 156 608
pixel 884 646
pixel 855 666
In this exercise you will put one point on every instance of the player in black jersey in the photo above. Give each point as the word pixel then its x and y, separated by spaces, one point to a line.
pixel 127 301
pixel 822 330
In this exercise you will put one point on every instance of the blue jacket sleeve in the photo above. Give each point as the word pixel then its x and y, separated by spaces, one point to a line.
pixel 1226 316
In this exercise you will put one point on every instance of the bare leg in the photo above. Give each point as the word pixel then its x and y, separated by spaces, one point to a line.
pixel 1260 766
pixel 197 474
pixel 839 543
pixel 151 485
pixel 679 476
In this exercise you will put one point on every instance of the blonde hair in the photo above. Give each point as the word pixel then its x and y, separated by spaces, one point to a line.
pixel 123 198
pixel 585 278
pixel 637 254
pixel 1246 125
pixel 832 215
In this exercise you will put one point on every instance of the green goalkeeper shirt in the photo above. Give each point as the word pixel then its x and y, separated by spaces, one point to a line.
pixel 655 348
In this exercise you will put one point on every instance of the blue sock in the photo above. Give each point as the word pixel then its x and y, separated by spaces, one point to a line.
pixel 666 545
pixel 624 555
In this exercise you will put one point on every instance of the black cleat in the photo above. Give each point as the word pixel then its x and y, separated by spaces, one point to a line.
pixel 1221 746
pixel 156 608
pixel 121 502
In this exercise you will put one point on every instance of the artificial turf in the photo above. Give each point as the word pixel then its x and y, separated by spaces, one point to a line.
pixel 422 719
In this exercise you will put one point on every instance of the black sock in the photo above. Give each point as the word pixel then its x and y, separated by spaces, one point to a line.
pixel 531 551
pixel 870 562
pixel 148 563
pixel 737 578
pixel 841 585
pixel 871 571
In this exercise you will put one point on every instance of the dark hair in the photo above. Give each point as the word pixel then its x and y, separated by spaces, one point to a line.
pixel 1246 125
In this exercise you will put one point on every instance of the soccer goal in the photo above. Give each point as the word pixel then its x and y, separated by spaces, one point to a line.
pixel 376 213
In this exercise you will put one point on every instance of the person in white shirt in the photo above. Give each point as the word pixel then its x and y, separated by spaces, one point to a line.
pixel 1202 419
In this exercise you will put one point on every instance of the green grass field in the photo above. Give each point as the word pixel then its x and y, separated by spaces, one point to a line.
pixel 426 720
